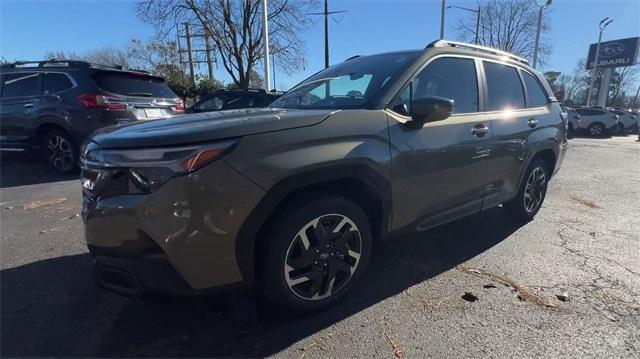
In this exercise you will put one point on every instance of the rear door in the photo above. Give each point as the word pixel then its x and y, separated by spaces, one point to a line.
pixel 19 100
pixel 440 169
pixel 511 124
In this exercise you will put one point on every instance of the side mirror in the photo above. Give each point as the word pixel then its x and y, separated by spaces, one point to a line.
pixel 430 109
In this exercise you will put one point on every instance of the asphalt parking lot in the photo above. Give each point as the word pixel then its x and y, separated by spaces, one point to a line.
pixel 566 284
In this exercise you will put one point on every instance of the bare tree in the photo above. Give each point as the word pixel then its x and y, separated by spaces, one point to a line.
pixel 624 79
pixel 235 27
pixel 109 56
pixel 509 25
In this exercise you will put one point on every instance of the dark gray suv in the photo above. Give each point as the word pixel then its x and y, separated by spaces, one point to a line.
pixel 293 197
pixel 54 105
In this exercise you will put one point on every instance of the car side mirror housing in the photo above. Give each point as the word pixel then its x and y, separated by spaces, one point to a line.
pixel 430 109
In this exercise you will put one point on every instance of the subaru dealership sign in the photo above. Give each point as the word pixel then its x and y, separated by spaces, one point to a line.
pixel 616 53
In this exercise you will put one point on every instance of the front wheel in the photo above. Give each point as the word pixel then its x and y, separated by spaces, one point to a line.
pixel 531 194
pixel 317 249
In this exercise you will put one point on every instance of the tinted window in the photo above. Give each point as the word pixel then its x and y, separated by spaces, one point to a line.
pixel 504 87
pixel 350 84
pixel 453 78
pixel 133 84
pixel 214 103
pixel 238 101
pixel 18 85
pixel 536 97
pixel 589 112
pixel 52 83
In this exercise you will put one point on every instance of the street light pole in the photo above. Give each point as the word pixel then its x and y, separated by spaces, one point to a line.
pixel 539 28
pixel 442 20
pixel 603 24
pixel 477 18
pixel 265 40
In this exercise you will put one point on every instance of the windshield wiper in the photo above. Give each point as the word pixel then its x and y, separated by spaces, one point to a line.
pixel 142 94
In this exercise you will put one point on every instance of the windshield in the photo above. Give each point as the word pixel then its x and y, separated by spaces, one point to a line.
pixel 349 85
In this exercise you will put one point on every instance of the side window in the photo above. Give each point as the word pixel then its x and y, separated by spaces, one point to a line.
pixel 238 101
pixel 52 83
pixel 450 77
pixel 536 96
pixel 214 103
pixel 503 86
pixel 20 84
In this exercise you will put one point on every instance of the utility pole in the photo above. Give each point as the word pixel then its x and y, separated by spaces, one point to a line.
pixel 477 18
pixel 539 28
pixel 442 20
pixel 207 45
pixel 326 14
pixel 189 52
pixel 265 40
pixel 603 24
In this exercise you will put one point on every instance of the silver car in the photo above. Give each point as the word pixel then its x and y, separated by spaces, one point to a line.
pixel 628 120
pixel 598 122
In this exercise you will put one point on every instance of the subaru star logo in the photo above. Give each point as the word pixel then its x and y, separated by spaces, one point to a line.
pixel 611 50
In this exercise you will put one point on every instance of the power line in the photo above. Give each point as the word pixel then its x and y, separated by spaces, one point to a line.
pixel 326 14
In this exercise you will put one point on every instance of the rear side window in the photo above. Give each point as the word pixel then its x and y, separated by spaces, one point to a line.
pixel 504 87
pixel 131 84
pixel 20 85
pixel 53 83
pixel 589 112
pixel 536 96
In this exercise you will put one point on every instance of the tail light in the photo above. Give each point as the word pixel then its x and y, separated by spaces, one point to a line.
pixel 101 102
pixel 180 107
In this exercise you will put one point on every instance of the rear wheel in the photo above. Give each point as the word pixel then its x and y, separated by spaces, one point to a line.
pixel 531 194
pixel 317 249
pixel 59 151
pixel 597 130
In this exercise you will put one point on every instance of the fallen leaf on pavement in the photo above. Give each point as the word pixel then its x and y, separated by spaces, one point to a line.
pixel 42 203
pixel 563 297
pixel 487 286
pixel 469 297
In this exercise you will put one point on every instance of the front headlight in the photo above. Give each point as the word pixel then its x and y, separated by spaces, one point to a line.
pixel 149 168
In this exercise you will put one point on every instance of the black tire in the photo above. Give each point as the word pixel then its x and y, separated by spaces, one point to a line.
pixel 522 209
pixel 283 259
pixel 60 152
pixel 597 129
pixel 571 132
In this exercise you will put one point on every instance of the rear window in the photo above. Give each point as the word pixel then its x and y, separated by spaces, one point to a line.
pixel 536 95
pixel 131 84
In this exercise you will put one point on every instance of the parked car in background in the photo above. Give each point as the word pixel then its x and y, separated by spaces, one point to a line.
pixel 628 121
pixel 54 105
pixel 573 121
pixel 233 99
pixel 597 121
pixel 293 197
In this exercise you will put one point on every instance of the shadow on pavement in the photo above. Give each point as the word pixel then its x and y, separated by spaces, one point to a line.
pixel 52 308
pixel 20 169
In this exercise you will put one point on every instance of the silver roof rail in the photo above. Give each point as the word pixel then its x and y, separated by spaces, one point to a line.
pixel 490 50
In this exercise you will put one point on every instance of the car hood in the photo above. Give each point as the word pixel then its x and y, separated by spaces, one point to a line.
pixel 203 127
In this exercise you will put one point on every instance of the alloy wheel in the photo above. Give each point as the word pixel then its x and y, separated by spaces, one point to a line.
pixel 323 256
pixel 59 153
pixel 535 189
pixel 596 130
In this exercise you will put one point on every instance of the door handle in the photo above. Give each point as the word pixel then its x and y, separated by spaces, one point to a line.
pixel 479 130
pixel 532 122
pixel 28 105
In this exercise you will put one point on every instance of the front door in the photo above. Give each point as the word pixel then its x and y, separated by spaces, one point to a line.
pixel 439 171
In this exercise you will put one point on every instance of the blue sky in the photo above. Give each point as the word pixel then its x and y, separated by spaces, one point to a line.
pixel 29 28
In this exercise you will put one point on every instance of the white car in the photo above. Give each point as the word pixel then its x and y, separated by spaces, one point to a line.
pixel 597 121
pixel 628 121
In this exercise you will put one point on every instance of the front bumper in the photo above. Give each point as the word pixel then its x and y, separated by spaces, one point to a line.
pixel 190 224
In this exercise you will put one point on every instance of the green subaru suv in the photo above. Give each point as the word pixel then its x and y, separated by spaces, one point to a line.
pixel 293 198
